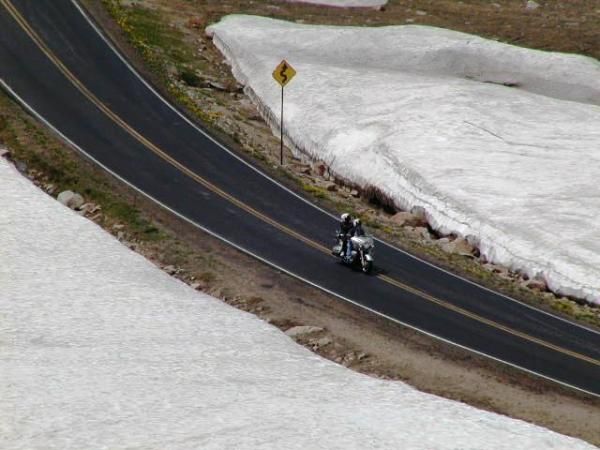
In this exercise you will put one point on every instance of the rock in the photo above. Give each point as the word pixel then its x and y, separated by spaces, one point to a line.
pixel 120 235
pixel 70 199
pixel 354 193
pixel 320 168
pixel 50 188
pixel 537 284
pixel 531 5
pixel 118 226
pixel 331 187
pixel 459 246
pixel 170 269
pixel 324 341
pixel 302 330
pixel 197 286
pixel 89 208
pixel 404 218
pixel 418 12
pixel 21 167
pixel 4 153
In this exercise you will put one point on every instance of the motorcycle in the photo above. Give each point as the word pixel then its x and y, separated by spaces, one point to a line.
pixel 361 255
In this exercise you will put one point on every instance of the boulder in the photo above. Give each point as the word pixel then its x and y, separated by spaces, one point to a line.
pixel 302 330
pixel 70 199
pixel 459 246
pixel 404 218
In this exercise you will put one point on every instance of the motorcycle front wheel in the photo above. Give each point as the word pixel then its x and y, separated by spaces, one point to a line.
pixel 367 266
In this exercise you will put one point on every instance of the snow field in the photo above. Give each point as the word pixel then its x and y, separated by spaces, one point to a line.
pixel 101 349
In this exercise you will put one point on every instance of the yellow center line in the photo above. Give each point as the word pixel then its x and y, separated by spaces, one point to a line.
pixel 208 185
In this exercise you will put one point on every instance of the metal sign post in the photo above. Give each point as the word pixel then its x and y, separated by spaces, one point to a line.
pixel 283 74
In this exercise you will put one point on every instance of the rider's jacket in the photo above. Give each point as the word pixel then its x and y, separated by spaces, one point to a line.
pixel 346 228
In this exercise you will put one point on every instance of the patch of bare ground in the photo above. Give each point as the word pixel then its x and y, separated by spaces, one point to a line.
pixel 347 335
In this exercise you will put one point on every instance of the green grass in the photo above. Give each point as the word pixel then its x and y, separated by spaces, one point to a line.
pixel 315 191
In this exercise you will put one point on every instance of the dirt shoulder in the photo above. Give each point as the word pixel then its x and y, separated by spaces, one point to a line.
pixel 344 333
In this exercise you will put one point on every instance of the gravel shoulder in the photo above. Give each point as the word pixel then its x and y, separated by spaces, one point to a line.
pixel 343 333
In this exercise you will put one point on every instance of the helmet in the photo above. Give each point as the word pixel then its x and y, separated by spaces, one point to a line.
pixel 345 218
pixel 356 222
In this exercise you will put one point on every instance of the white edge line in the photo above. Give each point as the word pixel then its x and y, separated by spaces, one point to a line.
pixel 267 262
pixel 184 117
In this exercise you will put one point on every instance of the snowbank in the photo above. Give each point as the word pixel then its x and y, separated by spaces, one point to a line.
pixel 100 349
pixel 497 143
pixel 344 3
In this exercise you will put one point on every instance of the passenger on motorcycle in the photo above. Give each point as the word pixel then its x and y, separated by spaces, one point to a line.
pixel 356 230
pixel 346 227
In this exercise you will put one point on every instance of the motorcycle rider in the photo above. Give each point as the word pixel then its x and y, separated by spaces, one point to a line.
pixel 346 227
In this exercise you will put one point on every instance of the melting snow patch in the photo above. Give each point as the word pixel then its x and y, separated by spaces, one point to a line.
pixel 101 349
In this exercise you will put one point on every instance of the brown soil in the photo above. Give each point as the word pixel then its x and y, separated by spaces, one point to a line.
pixel 355 338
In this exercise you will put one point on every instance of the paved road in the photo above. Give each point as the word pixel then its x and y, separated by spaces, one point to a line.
pixel 54 61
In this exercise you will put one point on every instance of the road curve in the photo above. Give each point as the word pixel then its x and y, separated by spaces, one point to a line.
pixel 58 66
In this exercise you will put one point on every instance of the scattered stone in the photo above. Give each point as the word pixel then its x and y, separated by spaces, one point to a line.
pixel 70 199
pixel 418 233
pixel 331 186
pixel 89 208
pixel 418 12
pixel 531 5
pixel 404 218
pixel 120 235
pixel 4 153
pixel 50 188
pixel 324 341
pixel 302 330
pixel 354 193
pixel 118 226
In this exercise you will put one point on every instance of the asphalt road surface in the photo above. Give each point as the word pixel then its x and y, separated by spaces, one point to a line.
pixel 60 68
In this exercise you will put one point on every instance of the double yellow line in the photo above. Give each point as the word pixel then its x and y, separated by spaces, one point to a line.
pixel 211 187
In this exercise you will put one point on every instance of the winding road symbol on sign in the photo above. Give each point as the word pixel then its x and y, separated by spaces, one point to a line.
pixel 284 73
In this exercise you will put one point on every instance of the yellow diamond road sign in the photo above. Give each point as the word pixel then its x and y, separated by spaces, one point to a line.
pixel 284 73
